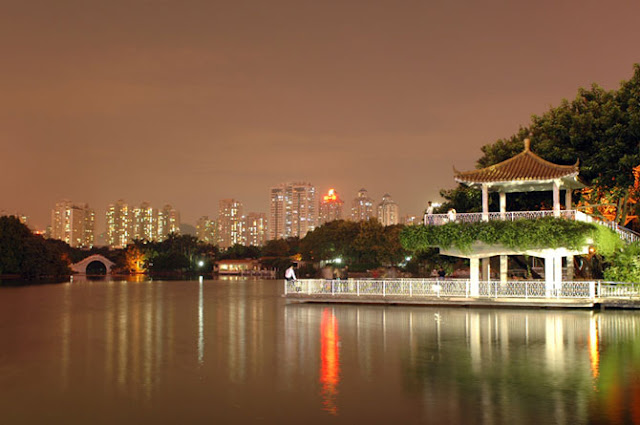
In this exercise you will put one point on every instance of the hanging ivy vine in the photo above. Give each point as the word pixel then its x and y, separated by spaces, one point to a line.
pixel 522 234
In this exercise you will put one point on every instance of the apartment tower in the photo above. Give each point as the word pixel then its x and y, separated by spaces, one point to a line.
pixel 292 210
pixel 73 223
pixel 388 211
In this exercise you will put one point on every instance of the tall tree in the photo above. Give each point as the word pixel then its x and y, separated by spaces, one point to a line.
pixel 30 256
pixel 599 128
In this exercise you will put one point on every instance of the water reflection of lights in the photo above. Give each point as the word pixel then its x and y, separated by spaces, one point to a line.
pixel 329 361
pixel 594 349
pixel 200 322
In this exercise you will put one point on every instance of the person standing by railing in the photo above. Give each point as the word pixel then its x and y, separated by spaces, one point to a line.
pixel 451 215
pixel 290 276
pixel 427 219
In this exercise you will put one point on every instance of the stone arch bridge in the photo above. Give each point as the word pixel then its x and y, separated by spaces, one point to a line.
pixel 81 266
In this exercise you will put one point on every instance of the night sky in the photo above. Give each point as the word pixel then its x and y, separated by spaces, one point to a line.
pixel 188 102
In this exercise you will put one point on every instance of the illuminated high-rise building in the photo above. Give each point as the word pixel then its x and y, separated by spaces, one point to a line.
pixel 330 208
pixel 255 229
pixel 73 224
pixel 292 210
pixel 168 222
pixel 362 207
pixel 118 224
pixel 206 230
pixel 144 222
pixel 388 211
pixel 230 225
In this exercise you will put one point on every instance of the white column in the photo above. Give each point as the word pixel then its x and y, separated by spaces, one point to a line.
pixel 557 272
pixel 504 266
pixel 485 202
pixel 474 277
pixel 556 199
pixel 503 205
pixel 567 199
pixel 548 275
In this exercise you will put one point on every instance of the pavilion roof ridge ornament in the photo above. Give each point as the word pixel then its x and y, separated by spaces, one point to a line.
pixel 525 171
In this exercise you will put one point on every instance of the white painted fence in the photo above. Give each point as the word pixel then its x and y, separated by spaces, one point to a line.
pixel 461 288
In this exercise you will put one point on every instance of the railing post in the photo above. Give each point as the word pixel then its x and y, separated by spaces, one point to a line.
pixel 466 289
pixel 384 288
pixel 308 287
pixel 526 290
pixel 285 286
pixel 358 287
pixel 410 288
pixel 333 287
pixel 592 290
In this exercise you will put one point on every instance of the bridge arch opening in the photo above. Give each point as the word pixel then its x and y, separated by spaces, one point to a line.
pixel 96 268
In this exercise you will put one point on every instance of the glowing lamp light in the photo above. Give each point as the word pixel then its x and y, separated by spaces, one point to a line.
pixel 338 260
pixel 200 263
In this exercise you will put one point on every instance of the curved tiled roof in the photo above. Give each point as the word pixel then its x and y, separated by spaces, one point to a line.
pixel 524 167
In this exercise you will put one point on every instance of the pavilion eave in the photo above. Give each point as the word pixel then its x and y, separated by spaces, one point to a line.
pixel 566 182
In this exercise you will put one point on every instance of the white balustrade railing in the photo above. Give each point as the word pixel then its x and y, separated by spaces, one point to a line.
pixel 462 288
pixel 627 235
pixel 618 290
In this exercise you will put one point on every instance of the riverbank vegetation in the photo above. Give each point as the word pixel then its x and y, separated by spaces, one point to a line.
pixel 29 256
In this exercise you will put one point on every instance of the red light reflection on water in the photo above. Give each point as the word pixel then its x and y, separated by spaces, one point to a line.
pixel 329 361
pixel 594 349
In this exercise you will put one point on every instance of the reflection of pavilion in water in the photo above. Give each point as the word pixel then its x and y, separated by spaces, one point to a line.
pixel 460 359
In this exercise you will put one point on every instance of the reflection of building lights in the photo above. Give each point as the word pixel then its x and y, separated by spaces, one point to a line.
pixel 594 352
pixel 330 361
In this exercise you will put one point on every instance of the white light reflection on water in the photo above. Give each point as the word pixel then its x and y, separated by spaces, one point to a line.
pixel 200 320
pixel 134 352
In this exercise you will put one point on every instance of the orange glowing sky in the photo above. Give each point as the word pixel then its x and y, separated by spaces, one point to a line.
pixel 188 102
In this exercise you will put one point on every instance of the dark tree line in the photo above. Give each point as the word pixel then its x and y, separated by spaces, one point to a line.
pixel 361 245
pixel 30 256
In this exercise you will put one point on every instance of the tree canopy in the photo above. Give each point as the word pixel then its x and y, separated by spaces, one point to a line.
pixel 30 256
pixel 599 128
pixel 361 245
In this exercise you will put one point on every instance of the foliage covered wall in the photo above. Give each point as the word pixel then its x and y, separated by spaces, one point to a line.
pixel 520 234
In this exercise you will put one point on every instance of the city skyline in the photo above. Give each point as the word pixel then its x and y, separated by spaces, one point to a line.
pixel 295 210
pixel 103 103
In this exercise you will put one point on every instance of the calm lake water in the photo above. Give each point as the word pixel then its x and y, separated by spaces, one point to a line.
pixel 233 351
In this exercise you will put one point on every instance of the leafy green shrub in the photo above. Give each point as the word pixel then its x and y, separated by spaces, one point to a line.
pixel 522 234
pixel 625 265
